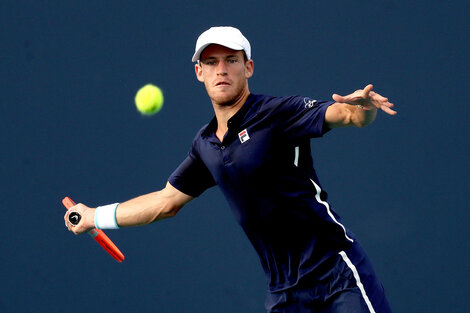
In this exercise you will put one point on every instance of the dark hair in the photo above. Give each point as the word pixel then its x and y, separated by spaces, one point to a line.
pixel 245 57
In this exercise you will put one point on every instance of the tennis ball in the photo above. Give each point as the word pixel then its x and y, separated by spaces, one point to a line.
pixel 149 99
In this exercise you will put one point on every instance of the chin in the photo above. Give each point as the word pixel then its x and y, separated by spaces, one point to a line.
pixel 224 99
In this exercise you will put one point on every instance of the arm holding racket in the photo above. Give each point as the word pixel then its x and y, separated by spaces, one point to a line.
pixel 142 210
pixel 151 207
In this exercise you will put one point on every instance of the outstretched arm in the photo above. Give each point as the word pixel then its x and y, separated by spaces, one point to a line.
pixel 142 210
pixel 357 109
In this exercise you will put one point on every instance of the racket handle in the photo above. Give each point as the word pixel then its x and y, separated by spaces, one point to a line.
pixel 74 218
pixel 100 237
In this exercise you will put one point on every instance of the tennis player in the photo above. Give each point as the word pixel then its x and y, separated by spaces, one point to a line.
pixel 257 150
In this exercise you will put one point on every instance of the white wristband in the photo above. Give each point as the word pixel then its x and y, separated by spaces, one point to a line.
pixel 105 217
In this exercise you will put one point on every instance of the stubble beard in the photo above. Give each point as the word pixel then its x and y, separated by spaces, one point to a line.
pixel 227 100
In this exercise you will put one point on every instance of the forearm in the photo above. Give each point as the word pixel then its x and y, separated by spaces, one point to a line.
pixel 145 209
pixel 142 210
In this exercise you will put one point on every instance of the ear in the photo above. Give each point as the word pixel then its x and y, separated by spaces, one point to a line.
pixel 249 68
pixel 198 70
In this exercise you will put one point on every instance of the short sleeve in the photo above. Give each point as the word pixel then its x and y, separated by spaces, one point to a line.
pixel 300 117
pixel 192 176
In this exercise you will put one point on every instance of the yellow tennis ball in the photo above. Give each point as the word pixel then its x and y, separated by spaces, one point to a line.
pixel 149 99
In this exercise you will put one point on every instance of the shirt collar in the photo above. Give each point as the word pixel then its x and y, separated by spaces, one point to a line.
pixel 235 121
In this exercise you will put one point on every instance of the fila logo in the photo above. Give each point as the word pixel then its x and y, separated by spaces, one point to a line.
pixel 243 135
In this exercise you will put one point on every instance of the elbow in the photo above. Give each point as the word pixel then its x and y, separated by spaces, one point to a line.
pixel 169 211
pixel 172 212
pixel 164 212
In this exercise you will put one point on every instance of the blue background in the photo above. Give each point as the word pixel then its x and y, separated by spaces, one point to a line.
pixel 69 73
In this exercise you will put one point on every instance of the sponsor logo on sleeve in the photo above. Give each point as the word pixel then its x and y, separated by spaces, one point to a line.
pixel 310 103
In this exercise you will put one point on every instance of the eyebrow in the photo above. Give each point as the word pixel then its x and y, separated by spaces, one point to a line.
pixel 213 58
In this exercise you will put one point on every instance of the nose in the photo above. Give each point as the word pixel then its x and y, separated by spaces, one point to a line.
pixel 221 69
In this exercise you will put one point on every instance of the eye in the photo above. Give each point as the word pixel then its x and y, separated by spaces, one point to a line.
pixel 231 61
pixel 208 62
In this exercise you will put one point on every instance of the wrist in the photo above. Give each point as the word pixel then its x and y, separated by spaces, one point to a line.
pixel 89 218
pixel 105 217
pixel 364 108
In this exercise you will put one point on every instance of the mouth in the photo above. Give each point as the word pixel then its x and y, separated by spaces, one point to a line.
pixel 222 84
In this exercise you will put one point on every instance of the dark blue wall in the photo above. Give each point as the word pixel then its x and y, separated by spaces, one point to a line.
pixel 69 73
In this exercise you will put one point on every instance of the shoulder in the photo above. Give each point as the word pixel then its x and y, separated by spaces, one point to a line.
pixel 287 104
pixel 266 102
pixel 272 100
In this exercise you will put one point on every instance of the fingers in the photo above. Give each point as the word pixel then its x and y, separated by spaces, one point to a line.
pixel 347 99
pixel 338 98
pixel 355 98
pixel 76 229
pixel 66 218
pixel 388 110
pixel 367 98
pixel 382 103
pixel 85 222
pixel 71 227
pixel 378 97
pixel 366 91
pixel 385 106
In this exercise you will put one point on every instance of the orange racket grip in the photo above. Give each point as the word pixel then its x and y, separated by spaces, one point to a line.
pixel 99 236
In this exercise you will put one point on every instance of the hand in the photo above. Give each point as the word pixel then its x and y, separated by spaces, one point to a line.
pixel 87 222
pixel 367 99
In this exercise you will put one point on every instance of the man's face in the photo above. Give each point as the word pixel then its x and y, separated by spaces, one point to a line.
pixel 224 73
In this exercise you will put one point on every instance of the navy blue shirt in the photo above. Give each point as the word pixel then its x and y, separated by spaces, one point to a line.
pixel 265 170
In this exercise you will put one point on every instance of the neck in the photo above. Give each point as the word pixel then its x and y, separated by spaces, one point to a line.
pixel 223 112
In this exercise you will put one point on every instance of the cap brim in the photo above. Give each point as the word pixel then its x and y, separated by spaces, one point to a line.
pixel 229 45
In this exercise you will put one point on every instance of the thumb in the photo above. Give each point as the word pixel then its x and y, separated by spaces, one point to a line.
pixel 367 90
pixel 337 98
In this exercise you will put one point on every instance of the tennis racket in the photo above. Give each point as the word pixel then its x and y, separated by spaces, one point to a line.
pixel 97 234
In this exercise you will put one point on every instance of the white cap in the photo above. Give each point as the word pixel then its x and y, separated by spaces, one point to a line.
pixel 226 36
